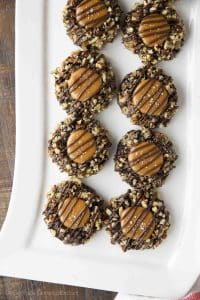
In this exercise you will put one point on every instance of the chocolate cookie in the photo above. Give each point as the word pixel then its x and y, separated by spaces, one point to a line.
pixel 154 31
pixel 79 147
pixel 137 220
pixel 92 23
pixel 85 83
pixel 148 97
pixel 144 158
pixel 73 212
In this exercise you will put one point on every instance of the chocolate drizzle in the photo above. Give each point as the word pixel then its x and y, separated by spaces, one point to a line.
pixel 134 227
pixel 153 153
pixel 91 13
pixel 73 213
pixel 92 7
pixel 149 228
pixel 79 134
pixel 128 215
pixel 81 146
pixel 150 97
pixel 143 99
pixel 154 29
pixel 84 83
pixel 80 80
pixel 137 223
pixel 145 159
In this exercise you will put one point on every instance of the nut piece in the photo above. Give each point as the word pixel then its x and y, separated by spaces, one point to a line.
pixel 154 30
pixel 81 146
pixel 73 213
pixel 145 159
pixel 91 13
pixel 137 223
pixel 84 83
pixel 151 97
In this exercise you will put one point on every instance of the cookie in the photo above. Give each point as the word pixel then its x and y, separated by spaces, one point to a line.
pixel 85 83
pixel 144 158
pixel 137 220
pixel 154 31
pixel 73 212
pixel 79 147
pixel 148 97
pixel 92 23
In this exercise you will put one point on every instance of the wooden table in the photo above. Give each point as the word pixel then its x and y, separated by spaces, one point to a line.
pixel 11 289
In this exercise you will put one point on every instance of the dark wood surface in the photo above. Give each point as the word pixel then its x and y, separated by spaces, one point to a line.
pixel 11 289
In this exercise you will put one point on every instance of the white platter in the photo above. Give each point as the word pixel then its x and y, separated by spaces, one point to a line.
pixel 27 249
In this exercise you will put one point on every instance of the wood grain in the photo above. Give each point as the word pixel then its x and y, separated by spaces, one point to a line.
pixel 11 289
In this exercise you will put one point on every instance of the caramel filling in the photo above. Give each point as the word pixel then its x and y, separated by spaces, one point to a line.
pixel 145 159
pixel 137 223
pixel 84 84
pixel 73 213
pixel 81 146
pixel 91 13
pixel 154 30
pixel 151 97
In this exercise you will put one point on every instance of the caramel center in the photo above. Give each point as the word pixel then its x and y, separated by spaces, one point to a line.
pixel 145 159
pixel 151 97
pixel 137 223
pixel 84 83
pixel 73 213
pixel 154 29
pixel 91 13
pixel 81 146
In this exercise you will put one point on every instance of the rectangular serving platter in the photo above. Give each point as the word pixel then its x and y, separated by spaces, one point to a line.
pixel 27 249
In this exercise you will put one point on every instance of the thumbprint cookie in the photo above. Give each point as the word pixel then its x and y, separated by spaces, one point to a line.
pixel 73 212
pixel 92 23
pixel 144 158
pixel 154 31
pixel 85 83
pixel 137 220
pixel 79 147
pixel 148 97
